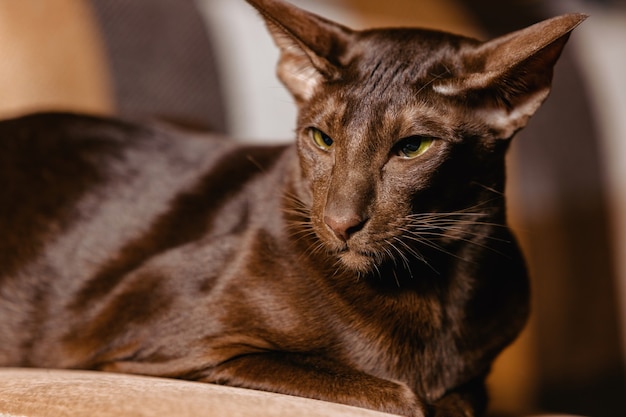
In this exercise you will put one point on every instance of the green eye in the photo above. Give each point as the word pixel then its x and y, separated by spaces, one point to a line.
pixel 321 139
pixel 413 146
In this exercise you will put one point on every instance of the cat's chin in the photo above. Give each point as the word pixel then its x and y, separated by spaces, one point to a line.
pixel 357 262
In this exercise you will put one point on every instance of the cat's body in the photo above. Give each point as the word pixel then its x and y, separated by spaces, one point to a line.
pixel 367 264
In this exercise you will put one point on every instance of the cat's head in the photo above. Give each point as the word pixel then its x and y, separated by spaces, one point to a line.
pixel 402 132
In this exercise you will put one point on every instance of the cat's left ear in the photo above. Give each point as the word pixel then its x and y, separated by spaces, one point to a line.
pixel 310 46
pixel 508 78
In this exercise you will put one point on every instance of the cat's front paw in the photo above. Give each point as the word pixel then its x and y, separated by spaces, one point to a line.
pixel 405 403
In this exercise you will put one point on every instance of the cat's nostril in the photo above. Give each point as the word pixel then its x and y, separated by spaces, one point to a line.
pixel 344 227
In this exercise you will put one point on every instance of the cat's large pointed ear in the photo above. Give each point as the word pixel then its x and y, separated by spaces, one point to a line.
pixel 310 46
pixel 508 78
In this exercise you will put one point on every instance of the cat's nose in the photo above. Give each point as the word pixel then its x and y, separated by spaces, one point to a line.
pixel 344 226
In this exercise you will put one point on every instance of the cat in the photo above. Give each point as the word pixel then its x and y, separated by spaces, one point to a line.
pixel 368 263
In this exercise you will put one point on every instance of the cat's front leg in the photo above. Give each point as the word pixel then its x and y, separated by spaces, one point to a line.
pixel 319 378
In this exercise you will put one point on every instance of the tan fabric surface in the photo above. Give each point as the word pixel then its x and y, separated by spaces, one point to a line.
pixel 52 58
pixel 48 393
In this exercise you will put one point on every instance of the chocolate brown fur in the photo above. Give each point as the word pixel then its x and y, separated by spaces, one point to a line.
pixel 350 274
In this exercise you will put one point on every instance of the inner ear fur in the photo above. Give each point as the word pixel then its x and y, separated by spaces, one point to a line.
pixel 508 78
pixel 309 46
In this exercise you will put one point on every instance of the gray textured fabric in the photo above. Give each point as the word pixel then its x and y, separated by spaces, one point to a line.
pixel 162 61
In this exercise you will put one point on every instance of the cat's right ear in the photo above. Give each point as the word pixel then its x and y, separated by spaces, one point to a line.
pixel 310 46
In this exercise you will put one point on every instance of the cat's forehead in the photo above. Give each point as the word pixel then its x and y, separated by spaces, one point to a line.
pixel 413 53
pixel 387 83
pixel 385 91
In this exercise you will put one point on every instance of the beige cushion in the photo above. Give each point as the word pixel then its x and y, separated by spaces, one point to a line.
pixel 54 393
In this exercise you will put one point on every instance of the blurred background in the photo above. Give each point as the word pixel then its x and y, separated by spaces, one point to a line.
pixel 209 64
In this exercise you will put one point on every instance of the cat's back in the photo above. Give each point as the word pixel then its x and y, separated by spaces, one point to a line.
pixel 60 172
pixel 81 195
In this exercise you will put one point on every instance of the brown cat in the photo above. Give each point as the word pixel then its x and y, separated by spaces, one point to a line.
pixel 368 263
